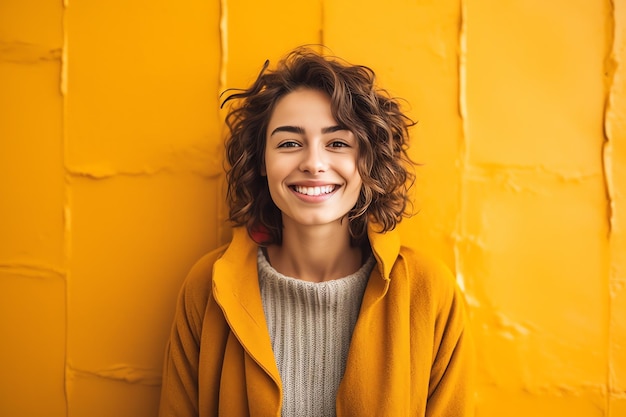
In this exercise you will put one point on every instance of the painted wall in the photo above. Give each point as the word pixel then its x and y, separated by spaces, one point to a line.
pixel 111 185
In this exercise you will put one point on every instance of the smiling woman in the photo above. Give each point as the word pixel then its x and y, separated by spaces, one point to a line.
pixel 356 105
pixel 316 308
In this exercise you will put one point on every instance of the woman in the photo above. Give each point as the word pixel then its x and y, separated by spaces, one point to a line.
pixel 315 308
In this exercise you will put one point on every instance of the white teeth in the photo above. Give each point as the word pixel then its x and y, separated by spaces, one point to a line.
pixel 324 189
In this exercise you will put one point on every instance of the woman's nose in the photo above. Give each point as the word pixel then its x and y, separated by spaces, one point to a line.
pixel 314 160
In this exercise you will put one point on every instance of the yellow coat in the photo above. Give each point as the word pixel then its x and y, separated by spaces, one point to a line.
pixel 410 353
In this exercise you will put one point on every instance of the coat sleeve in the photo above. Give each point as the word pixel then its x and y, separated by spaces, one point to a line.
pixel 179 391
pixel 451 385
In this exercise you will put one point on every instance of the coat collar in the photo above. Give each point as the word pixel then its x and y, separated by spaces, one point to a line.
pixel 236 290
pixel 386 248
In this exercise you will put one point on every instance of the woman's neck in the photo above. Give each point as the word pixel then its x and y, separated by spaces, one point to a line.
pixel 315 253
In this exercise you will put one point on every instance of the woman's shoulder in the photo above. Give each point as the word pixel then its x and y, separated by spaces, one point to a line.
pixel 423 261
pixel 428 271
pixel 433 286
pixel 197 285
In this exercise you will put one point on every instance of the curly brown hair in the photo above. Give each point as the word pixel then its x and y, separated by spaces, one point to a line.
pixel 375 118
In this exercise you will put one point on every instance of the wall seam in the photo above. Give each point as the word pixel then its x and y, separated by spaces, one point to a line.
pixel 222 84
pixel 462 159
pixel 609 73
pixel 66 198
pixel 322 33
pixel 610 66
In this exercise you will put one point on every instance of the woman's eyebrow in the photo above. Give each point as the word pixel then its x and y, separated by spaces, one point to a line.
pixel 333 129
pixel 300 131
pixel 289 129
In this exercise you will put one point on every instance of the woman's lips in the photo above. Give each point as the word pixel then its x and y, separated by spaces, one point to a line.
pixel 314 191
pixel 314 194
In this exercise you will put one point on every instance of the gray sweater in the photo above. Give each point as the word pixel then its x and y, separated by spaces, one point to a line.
pixel 310 326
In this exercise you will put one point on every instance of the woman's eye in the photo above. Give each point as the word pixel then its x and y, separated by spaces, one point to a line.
pixel 289 144
pixel 338 144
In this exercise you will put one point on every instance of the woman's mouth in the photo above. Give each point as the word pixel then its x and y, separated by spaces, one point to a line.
pixel 314 191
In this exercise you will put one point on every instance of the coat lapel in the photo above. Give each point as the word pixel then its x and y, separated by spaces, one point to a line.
pixel 236 290
pixel 369 365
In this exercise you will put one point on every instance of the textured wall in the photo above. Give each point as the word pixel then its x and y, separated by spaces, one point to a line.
pixel 111 185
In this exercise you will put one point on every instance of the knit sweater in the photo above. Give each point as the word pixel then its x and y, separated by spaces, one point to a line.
pixel 310 326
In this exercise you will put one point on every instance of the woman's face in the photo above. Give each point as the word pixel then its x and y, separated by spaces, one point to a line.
pixel 310 161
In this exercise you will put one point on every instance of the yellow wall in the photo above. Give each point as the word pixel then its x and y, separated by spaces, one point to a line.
pixel 110 173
